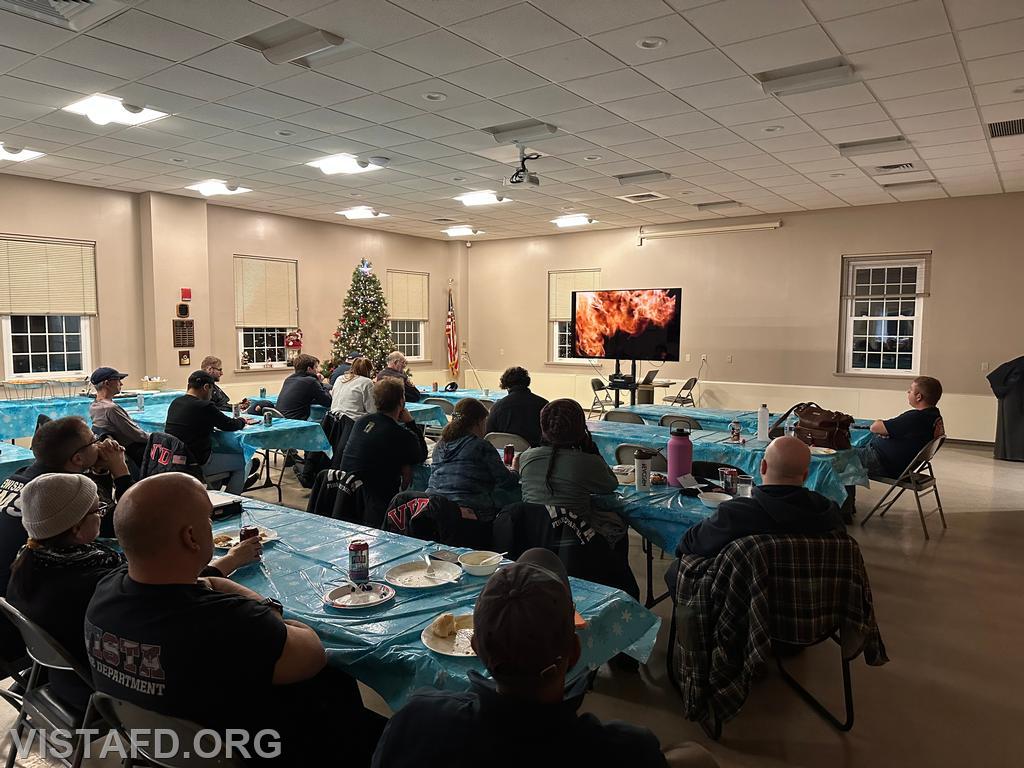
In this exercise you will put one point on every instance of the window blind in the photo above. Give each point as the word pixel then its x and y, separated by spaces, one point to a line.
pixel 560 288
pixel 408 295
pixel 266 293
pixel 41 277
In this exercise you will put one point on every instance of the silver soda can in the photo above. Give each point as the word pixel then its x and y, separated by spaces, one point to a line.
pixel 268 418
pixel 140 401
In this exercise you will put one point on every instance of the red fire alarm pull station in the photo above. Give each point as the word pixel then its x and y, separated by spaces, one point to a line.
pixel 186 294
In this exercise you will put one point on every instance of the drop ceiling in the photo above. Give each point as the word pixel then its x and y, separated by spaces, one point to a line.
pixel 684 102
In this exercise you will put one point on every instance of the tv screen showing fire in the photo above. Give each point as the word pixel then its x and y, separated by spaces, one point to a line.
pixel 636 324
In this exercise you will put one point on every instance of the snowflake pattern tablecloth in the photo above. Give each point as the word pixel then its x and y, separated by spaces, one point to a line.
pixel 420 412
pixel 717 419
pixel 18 417
pixel 14 457
pixel 462 394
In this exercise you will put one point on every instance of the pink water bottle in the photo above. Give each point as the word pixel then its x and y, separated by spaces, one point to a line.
pixel 680 455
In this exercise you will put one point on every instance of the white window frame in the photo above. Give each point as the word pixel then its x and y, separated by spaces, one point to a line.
pixel 86 334
pixel 556 332
pixel 278 366
pixel 553 325
pixel 851 264
pixel 421 357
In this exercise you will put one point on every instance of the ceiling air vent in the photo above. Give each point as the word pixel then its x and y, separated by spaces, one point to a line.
pixel 642 197
pixel 1006 128
pixel 75 15
pixel 894 168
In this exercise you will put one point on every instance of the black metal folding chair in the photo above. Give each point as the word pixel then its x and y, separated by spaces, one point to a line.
pixel 672 421
pixel 626 417
pixel 919 478
pixel 679 398
pixel 600 400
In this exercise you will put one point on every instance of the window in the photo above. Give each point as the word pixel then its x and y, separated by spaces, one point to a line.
pixel 883 303
pixel 561 284
pixel 408 338
pixel 408 295
pixel 266 309
pixel 264 345
pixel 47 344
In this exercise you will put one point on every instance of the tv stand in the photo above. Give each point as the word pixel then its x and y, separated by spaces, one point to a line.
pixel 617 382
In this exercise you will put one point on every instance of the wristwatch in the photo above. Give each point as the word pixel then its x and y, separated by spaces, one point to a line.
pixel 275 604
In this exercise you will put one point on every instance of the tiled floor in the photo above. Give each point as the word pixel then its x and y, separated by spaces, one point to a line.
pixel 952 618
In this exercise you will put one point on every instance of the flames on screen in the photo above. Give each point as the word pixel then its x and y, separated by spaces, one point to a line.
pixel 601 314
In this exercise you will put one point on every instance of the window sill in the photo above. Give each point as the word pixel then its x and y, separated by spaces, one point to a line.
pixel 574 364
pixel 262 370
pixel 419 361
pixel 842 374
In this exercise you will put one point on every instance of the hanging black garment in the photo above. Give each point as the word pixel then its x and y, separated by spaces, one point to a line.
pixel 1007 382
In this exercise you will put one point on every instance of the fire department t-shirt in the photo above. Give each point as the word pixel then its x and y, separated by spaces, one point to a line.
pixel 184 650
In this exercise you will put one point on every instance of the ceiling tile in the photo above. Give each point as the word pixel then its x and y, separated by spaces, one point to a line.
pixel 452 11
pixel 195 82
pixel 583 119
pixel 67 76
pixel 414 95
pixel 180 126
pixel 783 126
pixel 294 134
pixel 316 89
pixel 144 134
pixel 543 101
pixel 982 42
pixel 930 103
pixel 616 134
pixel 841 96
pixel 22 110
pixel 878 130
pixel 692 69
pixel 328 121
pixel 796 141
pixel 905 57
pixel 495 79
pixel 919 82
pixel 35 93
pixel 229 19
pixel 721 93
pixel 248 142
pixel 827 10
pixel 1006 67
pixel 953 150
pixel 568 61
pixel 372 72
pixel 974 13
pixel 673 125
pixel 731 21
pixel 482 114
pixel 428 126
pixel 645 149
pixel 10 58
pixel 381 136
pixel 266 103
pixel 224 116
pixel 888 26
pixel 680 38
pixel 514 30
pixel 947 136
pixel 30 35
pixel 713 138
pixel 953 119
pixel 52 133
pixel 649 106
pixel 470 141
pixel 837 118
pixel 728 152
pixel 244 64
pixel 591 16
pixel 785 49
pixel 958 161
pixel 1012 110
pixel 212 151
pixel 377 109
pixel 102 56
pixel 749 112
pixel 151 34
pixel 371 23
pixel 612 86
pixel 438 52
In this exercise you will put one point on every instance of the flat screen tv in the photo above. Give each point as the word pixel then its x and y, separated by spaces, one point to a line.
pixel 637 324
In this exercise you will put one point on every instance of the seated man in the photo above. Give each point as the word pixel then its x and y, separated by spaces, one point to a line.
pixel 397 368
pixel 343 367
pixel 109 417
pixel 524 635
pixel 519 411
pixel 208 649
pixel 64 445
pixel 303 389
pixel 192 418
pixel 779 505
pixel 213 366
pixel 383 448
pixel 898 440
pixel 56 572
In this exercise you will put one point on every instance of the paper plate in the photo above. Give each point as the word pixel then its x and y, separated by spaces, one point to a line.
pixel 457 644
pixel 412 575
pixel 817 451
pixel 228 540
pixel 351 598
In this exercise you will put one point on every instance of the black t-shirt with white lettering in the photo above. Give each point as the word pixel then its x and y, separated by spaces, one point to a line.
pixel 184 650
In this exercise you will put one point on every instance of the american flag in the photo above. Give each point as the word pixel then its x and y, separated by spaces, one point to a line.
pixel 451 337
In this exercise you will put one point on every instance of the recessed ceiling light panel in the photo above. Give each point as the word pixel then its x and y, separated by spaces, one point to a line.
pixel 362 212
pixel 102 110
pixel 344 163
pixel 212 187
pixel 462 231
pixel 483 197
pixel 573 220
pixel 16 154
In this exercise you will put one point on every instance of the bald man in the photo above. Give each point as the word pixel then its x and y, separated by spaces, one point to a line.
pixel 779 505
pixel 205 649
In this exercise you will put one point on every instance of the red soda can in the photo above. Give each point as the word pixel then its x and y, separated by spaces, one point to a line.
pixel 510 454
pixel 359 561
pixel 247 532
pixel 435 386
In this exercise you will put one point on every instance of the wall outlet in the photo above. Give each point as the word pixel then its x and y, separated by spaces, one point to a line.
pixel 984 367
pixel 465 346
pixel 703 358
pixel 687 357
pixel 501 352
pixel 728 358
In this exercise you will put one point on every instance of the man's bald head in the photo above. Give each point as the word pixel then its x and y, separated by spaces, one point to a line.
pixel 161 518
pixel 787 461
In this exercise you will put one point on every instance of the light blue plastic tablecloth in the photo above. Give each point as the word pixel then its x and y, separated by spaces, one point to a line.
pixel 421 414
pixel 381 646
pixel 829 474
pixel 719 419
pixel 18 417
pixel 13 457
pixel 462 394
pixel 281 435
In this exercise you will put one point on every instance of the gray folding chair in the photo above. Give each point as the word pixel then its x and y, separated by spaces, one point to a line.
pixel 685 394
pixel 600 401
pixel 624 455
pixel 500 439
pixel 40 708
pixel 488 404
pixel 919 478
pixel 440 402
pixel 127 717
pixel 626 417
pixel 671 421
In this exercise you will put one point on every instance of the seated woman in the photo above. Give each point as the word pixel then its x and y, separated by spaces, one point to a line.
pixel 466 468
pixel 57 571
pixel 352 394
pixel 565 471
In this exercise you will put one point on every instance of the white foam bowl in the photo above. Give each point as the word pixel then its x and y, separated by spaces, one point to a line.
pixel 712 500
pixel 470 562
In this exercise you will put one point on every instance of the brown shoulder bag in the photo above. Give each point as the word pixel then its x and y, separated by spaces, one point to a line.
pixel 818 426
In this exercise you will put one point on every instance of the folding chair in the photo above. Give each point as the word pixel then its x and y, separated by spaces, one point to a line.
pixel 600 401
pixel 40 708
pixel 500 439
pixel 672 422
pixel 683 399
pixel 918 477
pixel 488 404
pixel 626 417
pixel 624 455
pixel 445 405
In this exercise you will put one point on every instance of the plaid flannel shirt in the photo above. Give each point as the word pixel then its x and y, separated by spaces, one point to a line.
pixel 795 589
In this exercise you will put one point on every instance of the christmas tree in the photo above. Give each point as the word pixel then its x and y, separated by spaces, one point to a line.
pixel 364 327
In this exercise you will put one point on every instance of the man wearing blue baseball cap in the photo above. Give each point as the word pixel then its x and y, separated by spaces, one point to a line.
pixel 110 418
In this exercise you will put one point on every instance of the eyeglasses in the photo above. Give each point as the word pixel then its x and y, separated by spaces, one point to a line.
pixel 79 450
pixel 101 510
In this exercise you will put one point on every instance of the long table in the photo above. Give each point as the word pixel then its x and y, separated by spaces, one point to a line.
pixel 381 646
pixel 462 394
pixel 282 435
pixel 719 419
pixel 18 417
pixel 13 457
pixel 422 413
